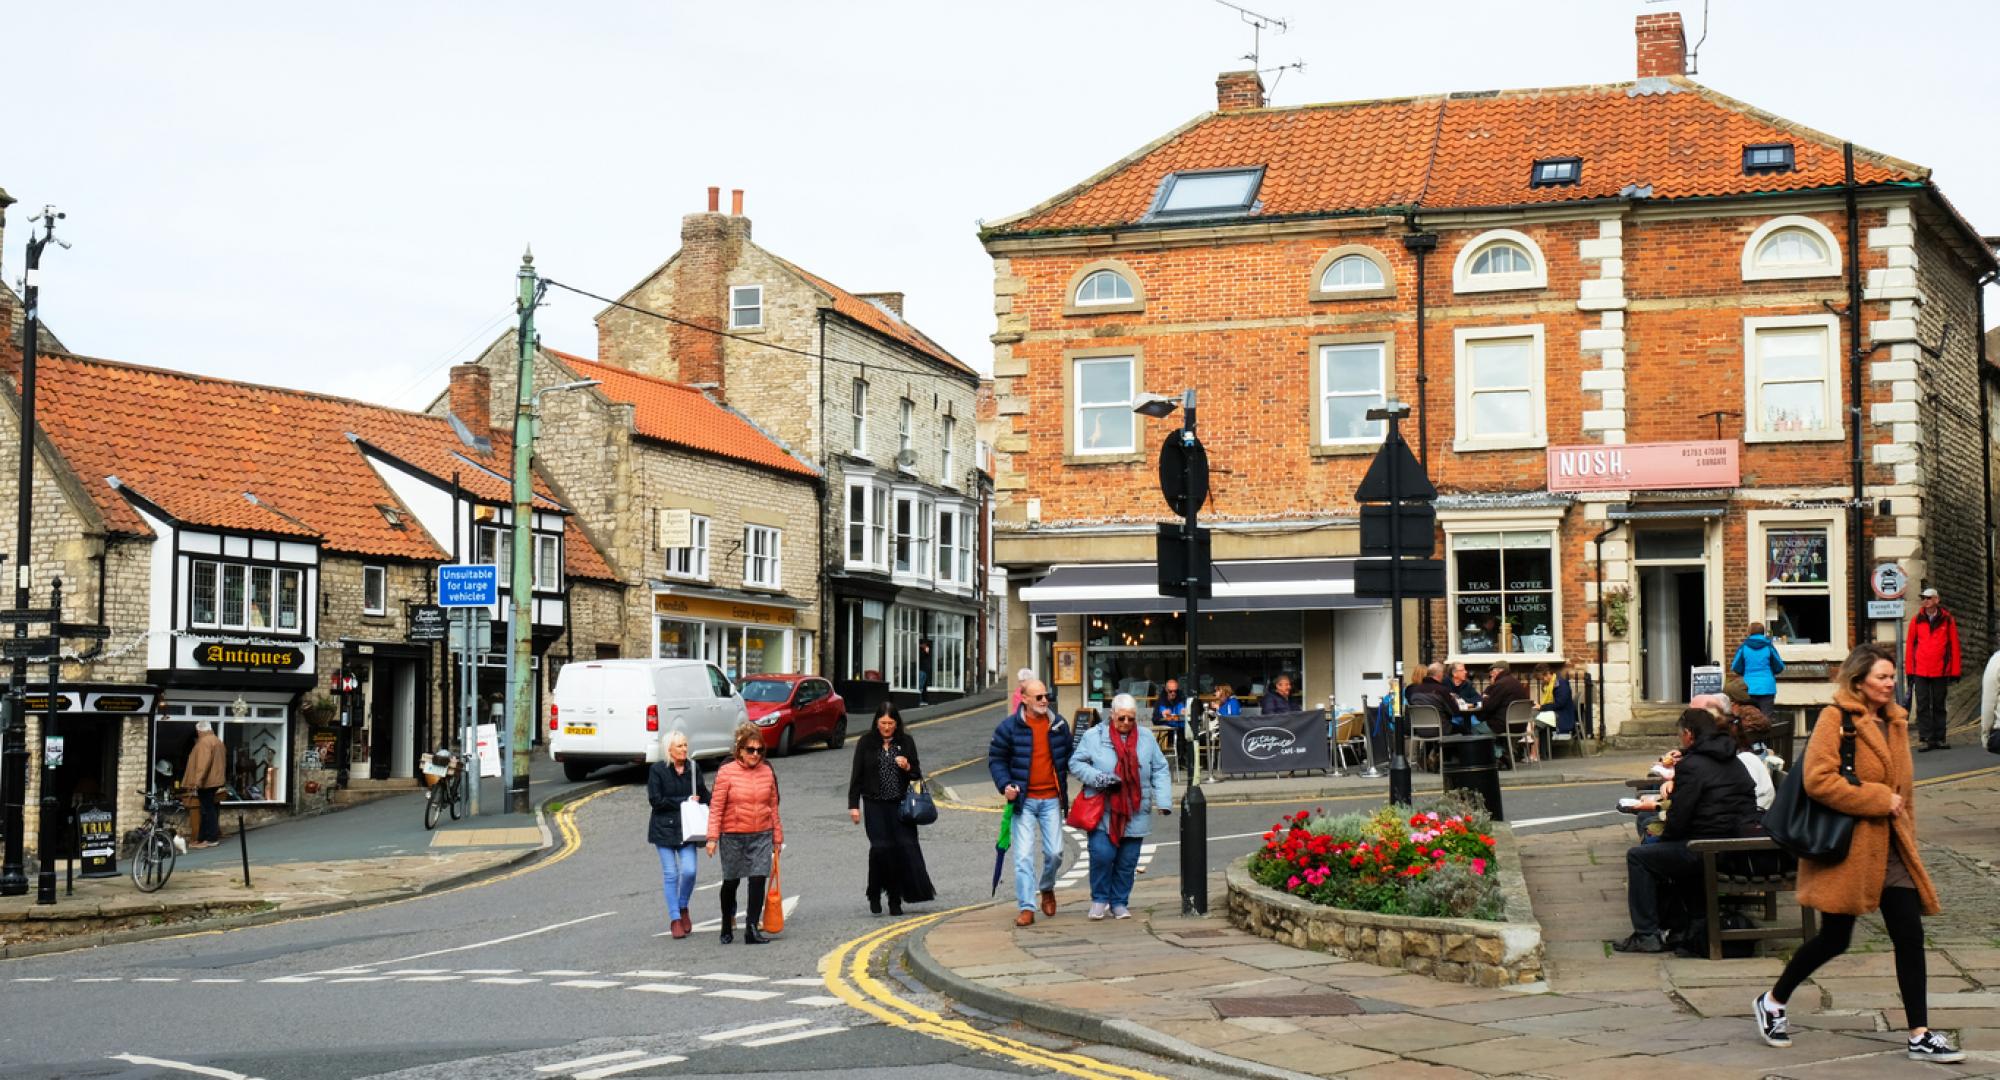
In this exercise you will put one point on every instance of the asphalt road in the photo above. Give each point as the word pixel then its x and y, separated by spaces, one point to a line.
pixel 560 969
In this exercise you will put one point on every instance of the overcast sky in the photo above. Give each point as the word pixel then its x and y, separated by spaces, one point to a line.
pixel 339 200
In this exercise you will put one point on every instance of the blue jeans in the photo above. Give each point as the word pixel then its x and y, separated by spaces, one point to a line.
pixel 1112 868
pixel 677 877
pixel 1039 820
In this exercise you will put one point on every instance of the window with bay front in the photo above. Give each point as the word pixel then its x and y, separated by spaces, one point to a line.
pixel 1503 593
pixel 867 525
pixel 239 596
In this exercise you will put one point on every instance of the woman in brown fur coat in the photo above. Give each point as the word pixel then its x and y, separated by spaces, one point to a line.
pixel 1882 869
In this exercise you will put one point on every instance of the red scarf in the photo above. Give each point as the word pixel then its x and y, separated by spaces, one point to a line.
pixel 1123 801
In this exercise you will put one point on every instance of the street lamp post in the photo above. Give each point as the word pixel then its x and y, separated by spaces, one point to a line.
pixel 1393 413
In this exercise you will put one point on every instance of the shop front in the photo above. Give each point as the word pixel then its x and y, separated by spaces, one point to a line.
pixel 248 693
pixel 93 741
pixel 741 635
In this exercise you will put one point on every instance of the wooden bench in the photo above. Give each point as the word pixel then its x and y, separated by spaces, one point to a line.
pixel 1723 876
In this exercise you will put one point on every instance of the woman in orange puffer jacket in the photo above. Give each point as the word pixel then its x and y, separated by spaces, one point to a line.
pixel 743 824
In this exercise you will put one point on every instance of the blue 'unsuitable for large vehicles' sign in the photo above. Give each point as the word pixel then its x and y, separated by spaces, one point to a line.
pixel 468 586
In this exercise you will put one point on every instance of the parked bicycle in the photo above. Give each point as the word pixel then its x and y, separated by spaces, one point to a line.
pixel 447 790
pixel 157 843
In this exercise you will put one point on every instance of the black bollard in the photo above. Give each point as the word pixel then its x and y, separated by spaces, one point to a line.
pixel 1194 852
pixel 243 843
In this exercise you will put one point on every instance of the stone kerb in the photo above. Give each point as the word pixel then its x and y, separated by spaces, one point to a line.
pixel 1470 951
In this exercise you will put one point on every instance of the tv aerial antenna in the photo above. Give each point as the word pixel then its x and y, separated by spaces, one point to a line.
pixel 1693 61
pixel 1258 24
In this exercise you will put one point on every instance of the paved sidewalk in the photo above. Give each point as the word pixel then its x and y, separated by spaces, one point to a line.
pixel 1199 990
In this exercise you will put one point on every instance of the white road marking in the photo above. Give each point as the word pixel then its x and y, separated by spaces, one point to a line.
pixel 182 1066
pixel 644 974
pixel 817 1001
pixel 418 971
pixel 360 978
pixel 497 980
pixel 38 978
pixel 710 885
pixel 584 1063
pixel 554 972
pixel 791 905
pixel 753 1029
pixel 794 1036
pixel 154 978
pixel 1232 836
pixel 488 971
pixel 218 980
pixel 728 977
pixel 800 982
pixel 665 988
pixel 614 1070
pixel 743 995
pixel 494 941
pixel 103 978
pixel 432 978
pixel 590 984
pixel 1564 817
pixel 359 970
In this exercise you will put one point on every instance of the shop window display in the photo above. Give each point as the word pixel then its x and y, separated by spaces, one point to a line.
pixel 1504 595
pixel 256 746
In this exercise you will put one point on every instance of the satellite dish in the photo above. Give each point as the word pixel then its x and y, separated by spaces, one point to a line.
pixel 906 458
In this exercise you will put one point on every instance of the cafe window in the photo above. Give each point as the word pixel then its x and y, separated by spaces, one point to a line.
pixel 1790 386
pixel 1798 587
pixel 374 590
pixel 256 746
pixel 239 597
pixel 1503 594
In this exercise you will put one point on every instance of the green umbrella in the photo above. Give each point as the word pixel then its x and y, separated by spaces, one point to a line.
pixel 1001 843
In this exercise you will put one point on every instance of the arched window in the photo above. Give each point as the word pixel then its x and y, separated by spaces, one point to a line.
pixel 1792 246
pixel 1499 259
pixel 1351 272
pixel 1103 287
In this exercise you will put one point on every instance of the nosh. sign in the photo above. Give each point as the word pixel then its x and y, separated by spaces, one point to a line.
pixel 1644 466
pixel 468 586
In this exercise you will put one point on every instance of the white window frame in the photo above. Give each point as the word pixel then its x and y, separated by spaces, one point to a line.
pixel 948 532
pixel 691 562
pixel 906 426
pixel 947 634
pixel 1760 523
pixel 1077 364
pixel 1463 341
pixel 214 591
pixel 1131 294
pixel 737 307
pixel 948 461
pixel 866 528
pixel 1754 269
pixel 1834 400
pixel 493 545
pixel 904 629
pixel 1354 257
pixel 222 720
pixel 374 590
pixel 1462 279
pixel 276 578
pixel 1327 351
pixel 763 548
pixel 548 562
pixel 858 426
pixel 1505 522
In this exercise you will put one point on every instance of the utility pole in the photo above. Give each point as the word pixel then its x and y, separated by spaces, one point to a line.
pixel 521 577
pixel 14 761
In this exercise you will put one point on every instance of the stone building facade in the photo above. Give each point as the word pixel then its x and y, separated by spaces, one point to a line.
pixel 1630 365
pixel 886 414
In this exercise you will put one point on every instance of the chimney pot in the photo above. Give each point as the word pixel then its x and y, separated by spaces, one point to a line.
pixel 1236 91
pixel 714 199
pixel 736 201
pixel 1662 45
pixel 472 398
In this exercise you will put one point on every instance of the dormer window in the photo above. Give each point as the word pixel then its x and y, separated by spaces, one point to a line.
pixel 1767 158
pixel 1208 193
pixel 1556 172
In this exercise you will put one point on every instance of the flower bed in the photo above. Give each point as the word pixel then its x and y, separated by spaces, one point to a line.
pixel 1434 862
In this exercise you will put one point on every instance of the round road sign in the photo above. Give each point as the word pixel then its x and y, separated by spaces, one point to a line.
pixel 1176 454
pixel 1889 581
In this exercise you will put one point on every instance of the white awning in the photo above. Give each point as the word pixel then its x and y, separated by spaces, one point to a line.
pixel 1263 585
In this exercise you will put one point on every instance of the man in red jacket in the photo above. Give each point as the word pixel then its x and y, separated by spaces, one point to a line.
pixel 1931 661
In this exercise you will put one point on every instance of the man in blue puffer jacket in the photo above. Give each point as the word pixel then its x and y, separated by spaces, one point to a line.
pixel 1757 660
pixel 1029 761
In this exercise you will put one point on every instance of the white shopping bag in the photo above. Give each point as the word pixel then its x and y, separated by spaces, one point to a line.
pixel 694 821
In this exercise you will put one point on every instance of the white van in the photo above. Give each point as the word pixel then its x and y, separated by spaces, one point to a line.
pixel 614 712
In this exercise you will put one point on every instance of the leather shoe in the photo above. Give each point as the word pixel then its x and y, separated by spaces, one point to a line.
pixel 751 936
pixel 1025 918
pixel 679 928
pixel 1640 943
pixel 1049 902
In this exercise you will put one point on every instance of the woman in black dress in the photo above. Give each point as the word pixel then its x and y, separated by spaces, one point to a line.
pixel 885 761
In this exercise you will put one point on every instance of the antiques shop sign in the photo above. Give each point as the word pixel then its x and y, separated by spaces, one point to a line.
pixel 253 657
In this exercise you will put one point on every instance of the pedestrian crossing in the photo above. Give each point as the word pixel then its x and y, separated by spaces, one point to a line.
pixel 722 985
pixel 1079 871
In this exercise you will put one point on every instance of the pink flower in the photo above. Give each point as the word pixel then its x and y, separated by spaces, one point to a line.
pixel 1293 883
pixel 1479 866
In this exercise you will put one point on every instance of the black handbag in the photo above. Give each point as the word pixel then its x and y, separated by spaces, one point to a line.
pixel 1804 826
pixel 917 808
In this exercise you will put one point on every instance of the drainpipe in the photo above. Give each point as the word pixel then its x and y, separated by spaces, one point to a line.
pixel 1597 721
pixel 828 619
pixel 1857 570
pixel 1420 245
pixel 1985 459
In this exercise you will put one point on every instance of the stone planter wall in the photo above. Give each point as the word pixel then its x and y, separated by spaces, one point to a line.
pixel 1470 951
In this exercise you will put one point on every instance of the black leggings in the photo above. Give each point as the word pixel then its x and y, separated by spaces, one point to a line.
pixel 754 903
pixel 1902 914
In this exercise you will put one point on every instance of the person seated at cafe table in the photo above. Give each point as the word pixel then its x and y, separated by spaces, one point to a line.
pixel 1711 797
pixel 1502 690
pixel 1432 691
pixel 1225 701
pixel 1279 699
pixel 1461 686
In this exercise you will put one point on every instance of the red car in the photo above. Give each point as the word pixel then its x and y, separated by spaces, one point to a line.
pixel 794 709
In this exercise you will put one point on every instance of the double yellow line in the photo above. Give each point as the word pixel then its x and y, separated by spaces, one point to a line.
pixel 849 973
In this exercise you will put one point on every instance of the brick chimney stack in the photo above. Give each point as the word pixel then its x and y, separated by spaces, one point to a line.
pixel 891 300
pixel 1663 45
pixel 472 398
pixel 1236 91
pixel 711 246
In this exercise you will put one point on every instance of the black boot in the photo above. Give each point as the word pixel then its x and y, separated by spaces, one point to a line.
pixel 751 936
pixel 875 903
pixel 895 904
pixel 728 912
pixel 753 912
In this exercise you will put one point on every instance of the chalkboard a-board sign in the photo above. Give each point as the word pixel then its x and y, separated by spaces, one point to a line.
pixel 97 842
pixel 1705 680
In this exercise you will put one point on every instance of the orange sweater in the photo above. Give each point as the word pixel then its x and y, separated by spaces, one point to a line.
pixel 744 801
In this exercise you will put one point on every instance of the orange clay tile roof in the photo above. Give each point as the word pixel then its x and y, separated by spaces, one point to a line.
pixel 875 318
pixel 677 413
pixel 1673 136
pixel 233 455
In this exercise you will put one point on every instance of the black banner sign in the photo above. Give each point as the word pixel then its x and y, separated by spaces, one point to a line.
pixel 254 657
pixel 427 623
pixel 1283 742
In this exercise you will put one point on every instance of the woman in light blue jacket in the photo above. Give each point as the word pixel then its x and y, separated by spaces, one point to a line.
pixel 1121 761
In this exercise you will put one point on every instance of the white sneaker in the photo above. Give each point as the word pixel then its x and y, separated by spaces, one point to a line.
pixel 1774 1028
pixel 1098 911
pixel 1120 911
pixel 1931 1046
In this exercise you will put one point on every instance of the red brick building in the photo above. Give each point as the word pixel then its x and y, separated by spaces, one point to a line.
pixel 1537 273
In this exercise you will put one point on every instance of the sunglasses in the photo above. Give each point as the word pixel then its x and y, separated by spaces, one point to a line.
pixel 1038 697
pixel 753 749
